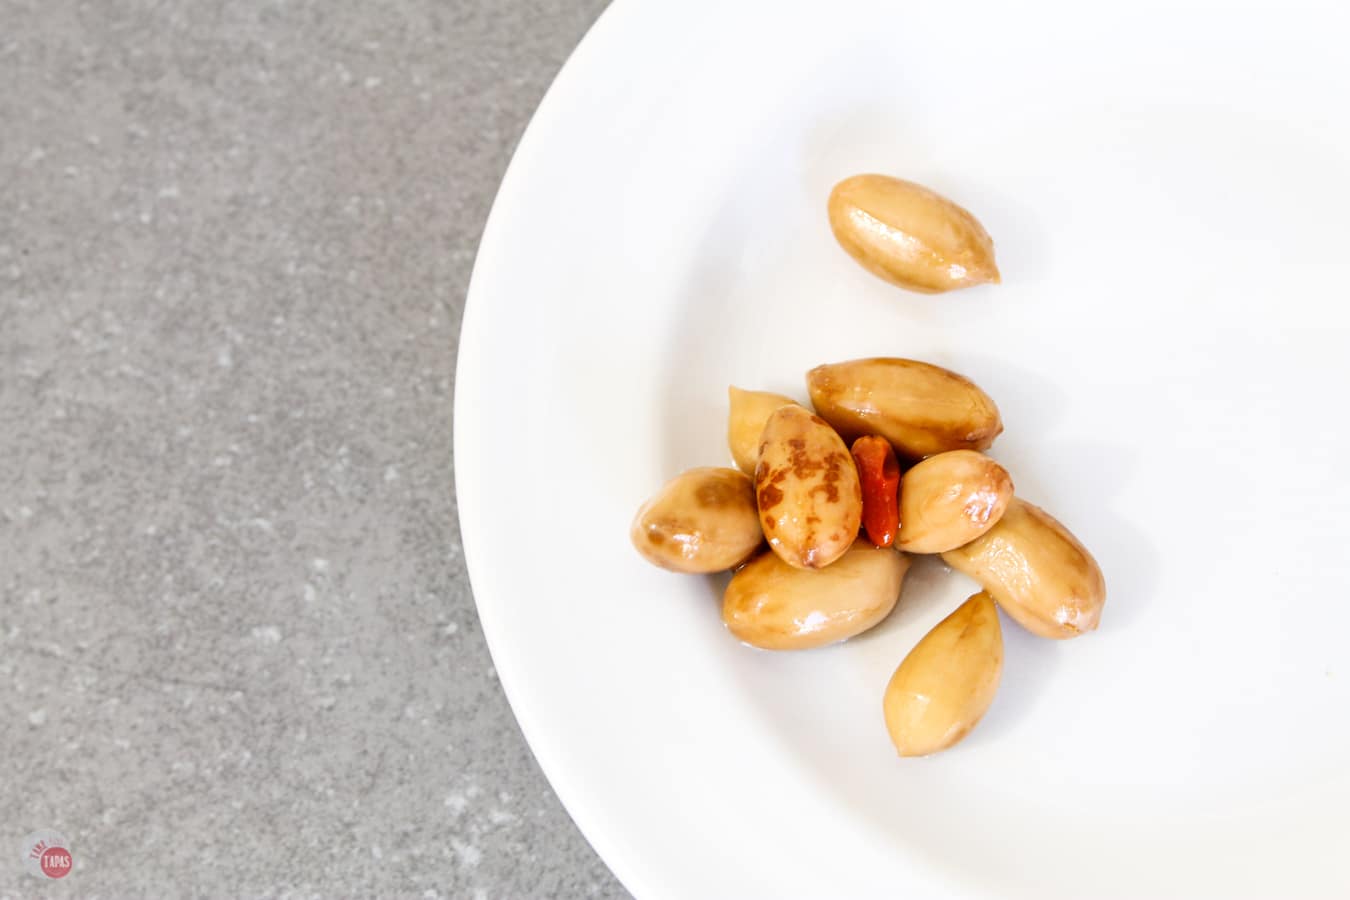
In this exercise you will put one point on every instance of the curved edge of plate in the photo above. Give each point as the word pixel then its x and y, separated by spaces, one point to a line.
pixel 468 498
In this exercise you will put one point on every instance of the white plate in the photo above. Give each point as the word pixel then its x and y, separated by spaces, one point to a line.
pixel 1167 184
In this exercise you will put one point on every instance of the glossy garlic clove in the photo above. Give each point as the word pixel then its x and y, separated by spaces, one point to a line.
pixel 703 520
pixel 772 605
pixel 909 235
pixel 747 413
pixel 806 485
pixel 951 499
pixel 1037 571
pixel 945 685
pixel 920 408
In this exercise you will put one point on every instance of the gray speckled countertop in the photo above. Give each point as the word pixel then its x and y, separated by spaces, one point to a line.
pixel 238 647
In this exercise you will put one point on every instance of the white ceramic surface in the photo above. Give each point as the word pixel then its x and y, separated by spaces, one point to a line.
pixel 1167 185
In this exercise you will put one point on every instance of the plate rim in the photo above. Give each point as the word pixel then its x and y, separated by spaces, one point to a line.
pixel 471 322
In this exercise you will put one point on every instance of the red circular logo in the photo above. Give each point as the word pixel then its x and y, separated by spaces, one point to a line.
pixel 46 854
pixel 55 862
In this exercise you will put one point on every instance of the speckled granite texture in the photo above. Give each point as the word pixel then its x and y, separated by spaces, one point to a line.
pixel 238 649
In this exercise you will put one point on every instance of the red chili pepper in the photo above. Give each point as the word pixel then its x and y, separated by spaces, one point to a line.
pixel 879 473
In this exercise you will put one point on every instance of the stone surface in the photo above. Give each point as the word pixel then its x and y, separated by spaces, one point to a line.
pixel 238 648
